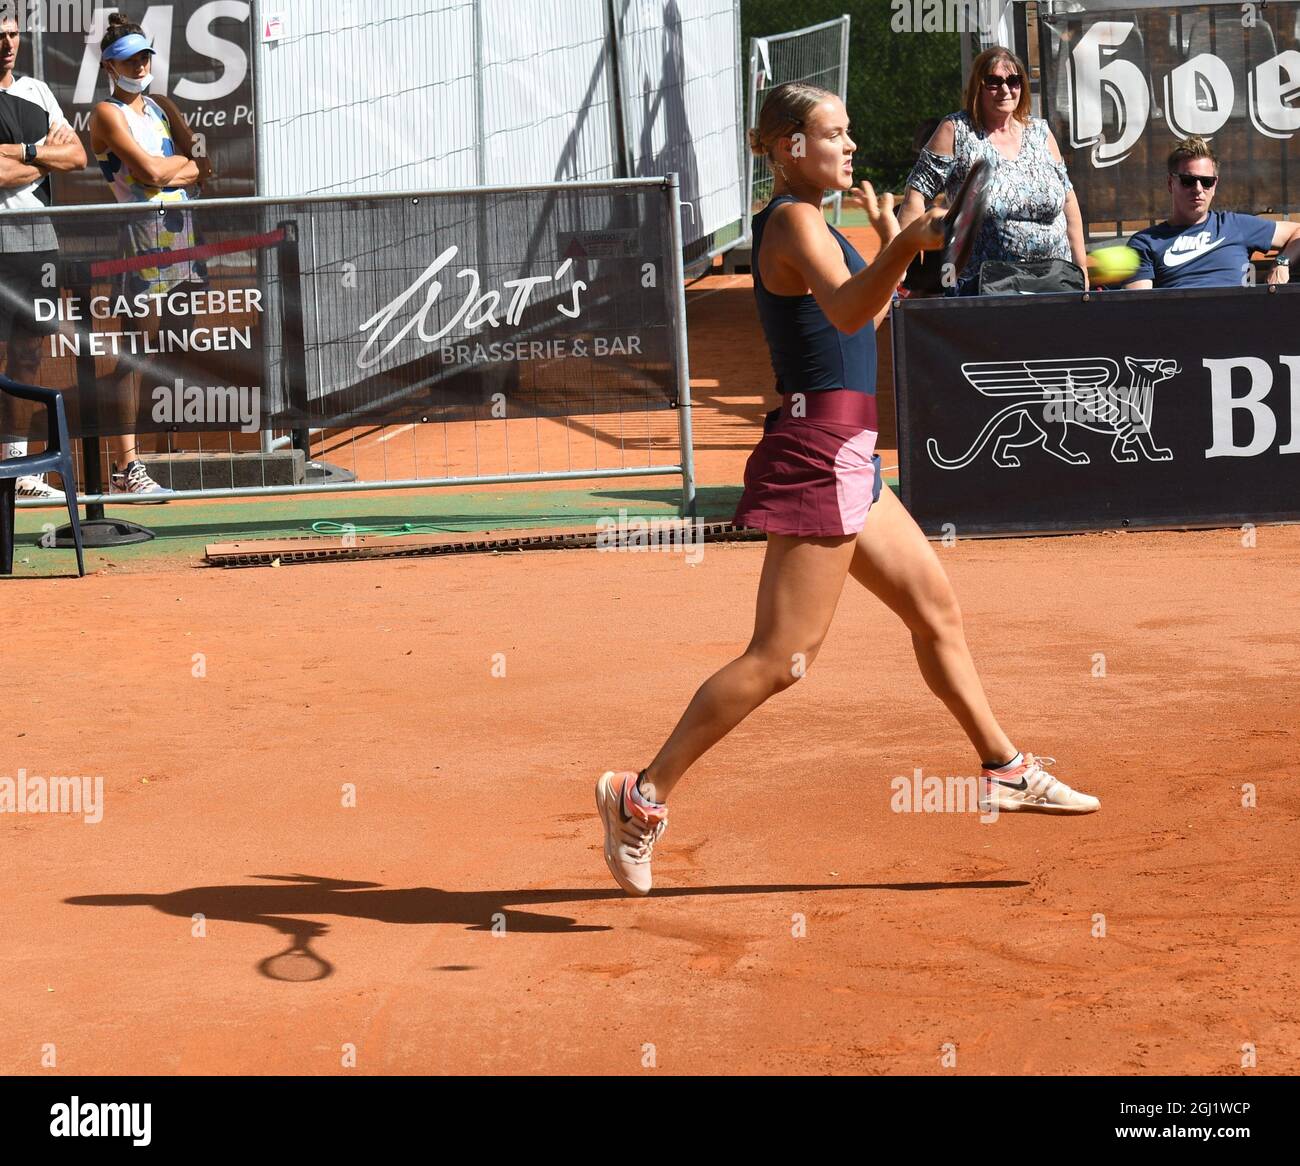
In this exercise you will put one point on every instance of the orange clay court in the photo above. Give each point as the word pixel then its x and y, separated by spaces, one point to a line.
pixel 459 917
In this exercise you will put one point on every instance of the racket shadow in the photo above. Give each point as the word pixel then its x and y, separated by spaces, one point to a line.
pixel 288 903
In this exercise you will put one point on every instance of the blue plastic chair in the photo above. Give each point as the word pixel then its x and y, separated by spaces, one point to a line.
pixel 57 457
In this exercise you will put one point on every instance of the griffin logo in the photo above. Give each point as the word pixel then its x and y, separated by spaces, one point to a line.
pixel 1045 397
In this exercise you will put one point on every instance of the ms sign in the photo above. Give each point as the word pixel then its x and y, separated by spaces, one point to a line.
pixel 202 62
pixel 160 23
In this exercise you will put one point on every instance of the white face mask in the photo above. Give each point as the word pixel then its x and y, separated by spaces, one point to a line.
pixel 130 85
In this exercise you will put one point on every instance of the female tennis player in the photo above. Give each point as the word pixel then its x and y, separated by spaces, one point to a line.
pixel 813 484
pixel 146 153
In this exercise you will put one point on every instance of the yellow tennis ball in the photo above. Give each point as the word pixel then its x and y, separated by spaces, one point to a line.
pixel 1109 265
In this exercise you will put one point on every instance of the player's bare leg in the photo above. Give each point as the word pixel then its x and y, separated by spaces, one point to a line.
pixel 129 473
pixel 798 591
pixel 895 562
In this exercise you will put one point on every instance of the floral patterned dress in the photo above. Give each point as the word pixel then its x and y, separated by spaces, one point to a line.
pixel 1026 217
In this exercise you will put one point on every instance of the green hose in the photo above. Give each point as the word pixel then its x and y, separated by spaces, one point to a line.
pixel 346 528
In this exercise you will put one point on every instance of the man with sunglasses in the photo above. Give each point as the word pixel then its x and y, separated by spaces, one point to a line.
pixel 1198 247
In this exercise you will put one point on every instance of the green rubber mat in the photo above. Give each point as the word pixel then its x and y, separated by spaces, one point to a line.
pixel 182 530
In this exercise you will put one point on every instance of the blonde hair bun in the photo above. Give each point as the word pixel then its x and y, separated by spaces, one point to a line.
pixel 783 112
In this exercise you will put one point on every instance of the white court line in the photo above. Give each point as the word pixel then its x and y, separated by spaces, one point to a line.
pixel 395 433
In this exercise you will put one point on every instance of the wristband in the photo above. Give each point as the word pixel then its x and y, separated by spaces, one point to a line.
pixel 29 154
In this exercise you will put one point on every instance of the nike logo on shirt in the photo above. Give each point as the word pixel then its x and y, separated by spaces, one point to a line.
pixel 1177 259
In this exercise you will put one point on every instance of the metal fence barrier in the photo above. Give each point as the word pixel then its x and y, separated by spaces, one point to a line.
pixel 483 336
pixel 818 55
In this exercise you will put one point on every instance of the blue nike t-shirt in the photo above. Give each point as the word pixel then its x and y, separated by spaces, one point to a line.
pixel 1209 254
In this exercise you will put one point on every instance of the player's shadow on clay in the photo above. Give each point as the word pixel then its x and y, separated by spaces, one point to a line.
pixel 277 906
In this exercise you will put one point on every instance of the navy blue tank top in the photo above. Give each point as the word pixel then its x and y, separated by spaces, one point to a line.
pixel 808 351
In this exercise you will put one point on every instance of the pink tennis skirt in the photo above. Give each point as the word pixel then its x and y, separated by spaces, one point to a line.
pixel 815 474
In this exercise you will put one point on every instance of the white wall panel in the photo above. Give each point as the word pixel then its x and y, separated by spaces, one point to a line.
pixel 682 103
pixel 547 92
pixel 351 101
pixel 360 97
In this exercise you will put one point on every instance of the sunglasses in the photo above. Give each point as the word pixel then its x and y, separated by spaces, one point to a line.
pixel 993 82
pixel 1190 180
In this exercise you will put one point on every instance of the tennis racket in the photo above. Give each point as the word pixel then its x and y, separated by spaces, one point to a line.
pixel 966 214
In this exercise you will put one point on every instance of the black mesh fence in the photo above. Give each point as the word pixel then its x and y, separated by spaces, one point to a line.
pixel 330 313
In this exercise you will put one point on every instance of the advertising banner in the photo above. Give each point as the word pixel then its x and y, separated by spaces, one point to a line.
pixel 202 63
pixel 1122 85
pixel 1133 409
pixel 331 313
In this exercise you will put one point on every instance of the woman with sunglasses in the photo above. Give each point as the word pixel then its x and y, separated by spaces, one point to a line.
pixel 1033 212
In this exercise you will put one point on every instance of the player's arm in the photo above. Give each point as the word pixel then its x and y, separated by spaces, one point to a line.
pixel 942 143
pixel 14 172
pixel 809 251
pixel 62 150
pixel 1286 238
pixel 884 220
pixel 183 135
pixel 108 124
pixel 1139 285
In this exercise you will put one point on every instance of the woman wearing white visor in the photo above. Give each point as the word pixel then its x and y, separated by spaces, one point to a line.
pixel 144 149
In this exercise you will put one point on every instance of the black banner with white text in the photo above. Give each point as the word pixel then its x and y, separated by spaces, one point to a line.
pixel 1122 86
pixel 1125 409
pixel 328 313
pixel 203 63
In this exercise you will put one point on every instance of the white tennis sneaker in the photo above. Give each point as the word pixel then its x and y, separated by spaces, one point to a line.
pixel 34 486
pixel 1030 787
pixel 136 480
pixel 631 831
